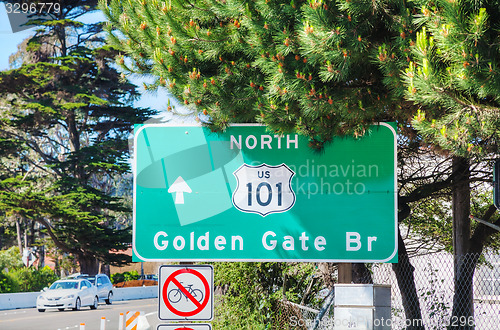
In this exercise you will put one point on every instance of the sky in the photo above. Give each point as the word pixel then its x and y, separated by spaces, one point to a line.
pixel 10 40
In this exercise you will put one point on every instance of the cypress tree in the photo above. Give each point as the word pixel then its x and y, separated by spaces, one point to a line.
pixel 70 112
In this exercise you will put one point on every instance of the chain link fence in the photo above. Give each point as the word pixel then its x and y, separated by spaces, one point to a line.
pixel 434 283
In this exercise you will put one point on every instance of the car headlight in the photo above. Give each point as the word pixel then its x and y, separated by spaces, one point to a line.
pixel 68 296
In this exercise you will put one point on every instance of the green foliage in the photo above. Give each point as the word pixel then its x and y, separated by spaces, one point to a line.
pixel 307 66
pixel 125 276
pixel 235 316
pixel 254 290
pixel 453 75
pixel 26 279
pixel 68 117
pixel 10 259
pixel 481 200
pixel 7 283
pixel 432 222
pixel 30 279
pixel 324 68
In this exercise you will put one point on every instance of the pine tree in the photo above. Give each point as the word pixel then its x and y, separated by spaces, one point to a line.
pixel 326 68
pixel 70 113
pixel 292 65
pixel 308 66
pixel 453 76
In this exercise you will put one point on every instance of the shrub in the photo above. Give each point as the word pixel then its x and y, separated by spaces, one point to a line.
pixel 10 258
pixel 31 279
pixel 126 276
pixel 253 291
pixel 7 283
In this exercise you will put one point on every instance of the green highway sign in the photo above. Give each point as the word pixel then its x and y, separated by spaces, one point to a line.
pixel 251 195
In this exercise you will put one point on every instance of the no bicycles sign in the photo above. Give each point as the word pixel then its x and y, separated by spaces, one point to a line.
pixel 186 293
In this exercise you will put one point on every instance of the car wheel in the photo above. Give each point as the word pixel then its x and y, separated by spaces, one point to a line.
pixel 41 310
pixel 60 309
pixel 109 301
pixel 96 303
pixel 78 304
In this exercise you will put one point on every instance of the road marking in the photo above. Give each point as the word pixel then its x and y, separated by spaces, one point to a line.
pixel 12 313
pixel 75 326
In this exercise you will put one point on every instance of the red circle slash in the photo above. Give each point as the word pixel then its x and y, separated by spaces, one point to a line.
pixel 199 306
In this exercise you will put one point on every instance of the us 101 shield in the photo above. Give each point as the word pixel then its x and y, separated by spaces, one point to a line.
pixel 263 189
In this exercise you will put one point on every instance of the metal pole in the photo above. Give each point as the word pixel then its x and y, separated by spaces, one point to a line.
pixel 489 224
pixel 326 305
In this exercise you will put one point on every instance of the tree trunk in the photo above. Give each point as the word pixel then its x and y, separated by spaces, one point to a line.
pixel 105 269
pixel 463 305
pixel 361 274
pixel 41 257
pixel 57 265
pixel 19 236
pixel 326 270
pixel 461 207
pixel 463 302
pixel 406 283
pixel 31 237
pixel 88 265
pixel 356 273
pixel 465 271
pixel 26 238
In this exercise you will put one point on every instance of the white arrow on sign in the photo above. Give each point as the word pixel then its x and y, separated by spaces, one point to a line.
pixel 179 187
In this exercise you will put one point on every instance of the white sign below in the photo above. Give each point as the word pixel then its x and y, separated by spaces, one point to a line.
pixel 186 293
pixel 185 326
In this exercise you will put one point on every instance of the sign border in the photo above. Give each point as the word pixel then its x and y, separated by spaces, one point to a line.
pixel 134 169
pixel 179 268
pixel 205 284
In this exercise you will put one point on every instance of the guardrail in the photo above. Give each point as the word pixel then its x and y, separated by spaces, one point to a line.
pixel 139 292
pixel 28 299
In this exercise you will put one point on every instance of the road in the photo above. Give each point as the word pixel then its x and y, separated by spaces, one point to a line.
pixel 30 318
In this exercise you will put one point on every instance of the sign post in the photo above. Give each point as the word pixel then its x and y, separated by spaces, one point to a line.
pixel 251 195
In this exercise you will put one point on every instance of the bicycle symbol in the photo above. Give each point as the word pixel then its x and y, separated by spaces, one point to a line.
pixel 175 295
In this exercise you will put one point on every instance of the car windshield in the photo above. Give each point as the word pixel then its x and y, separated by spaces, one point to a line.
pixel 64 285
pixel 91 280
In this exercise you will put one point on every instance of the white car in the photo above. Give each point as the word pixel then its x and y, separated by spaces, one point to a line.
pixel 103 285
pixel 73 293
